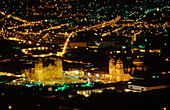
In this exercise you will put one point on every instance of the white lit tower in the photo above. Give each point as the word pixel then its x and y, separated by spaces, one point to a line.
pixel 112 69
pixel 39 76
pixel 59 68
pixel 119 70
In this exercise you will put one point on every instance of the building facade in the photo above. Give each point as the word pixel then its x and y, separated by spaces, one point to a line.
pixel 138 88
pixel 41 73
pixel 116 71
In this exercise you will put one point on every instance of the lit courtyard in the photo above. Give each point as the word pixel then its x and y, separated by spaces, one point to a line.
pixel 65 80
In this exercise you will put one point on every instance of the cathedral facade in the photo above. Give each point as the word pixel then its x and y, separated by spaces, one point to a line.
pixel 116 71
pixel 41 73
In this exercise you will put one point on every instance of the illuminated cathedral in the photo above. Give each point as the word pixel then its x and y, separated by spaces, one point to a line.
pixel 116 71
pixel 41 73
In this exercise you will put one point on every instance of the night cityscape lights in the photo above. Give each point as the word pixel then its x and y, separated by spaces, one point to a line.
pixel 84 54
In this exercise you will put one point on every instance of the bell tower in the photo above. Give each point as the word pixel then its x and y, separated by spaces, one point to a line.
pixel 59 68
pixel 39 75
pixel 119 64
pixel 39 63
pixel 112 68
pixel 119 70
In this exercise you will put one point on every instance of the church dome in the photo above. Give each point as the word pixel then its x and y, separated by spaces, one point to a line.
pixel 138 62
pixel 119 61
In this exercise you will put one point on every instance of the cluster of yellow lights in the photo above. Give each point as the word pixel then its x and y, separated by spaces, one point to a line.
pixel 58 27
pixel 26 51
pixel 71 61
pixel 6 74
pixel 16 39
pixel 105 34
pixel 68 35
pixel 43 55
pixel 104 24
pixel 112 22
pixel 108 23
pixel 14 17
pixel 9 74
pixel 26 24
pixel 38 33
pixel 155 51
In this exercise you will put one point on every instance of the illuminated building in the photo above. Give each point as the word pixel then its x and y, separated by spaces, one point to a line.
pixel 139 64
pixel 88 91
pixel 116 71
pixel 107 44
pixel 78 44
pixel 146 85
pixel 41 73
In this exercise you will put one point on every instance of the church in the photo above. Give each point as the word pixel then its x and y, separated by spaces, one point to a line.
pixel 41 73
pixel 116 71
